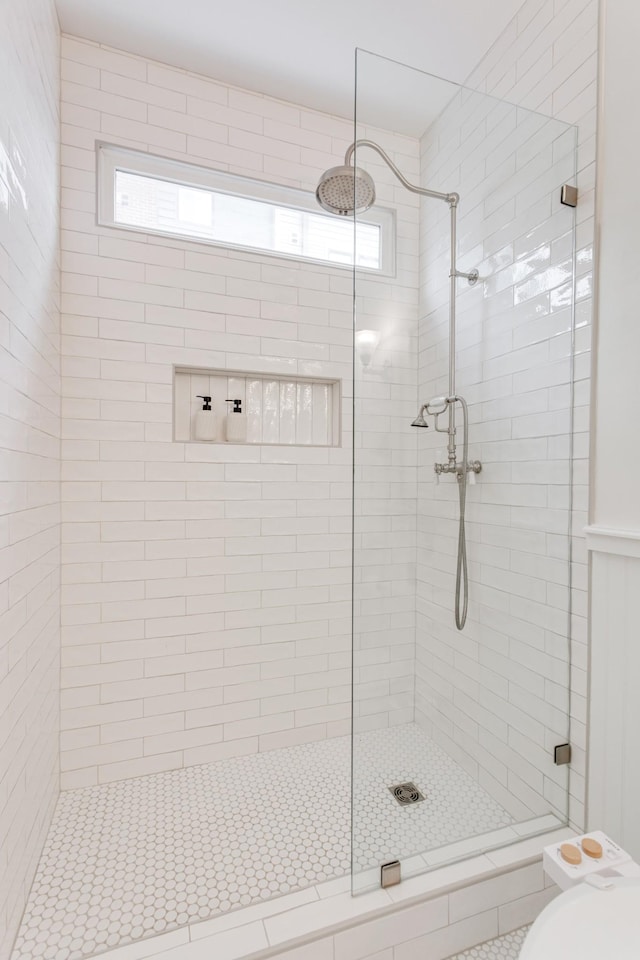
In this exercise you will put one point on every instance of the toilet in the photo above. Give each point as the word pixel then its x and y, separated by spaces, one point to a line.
pixel 597 917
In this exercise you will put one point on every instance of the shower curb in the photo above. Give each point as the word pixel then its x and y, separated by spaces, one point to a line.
pixel 434 907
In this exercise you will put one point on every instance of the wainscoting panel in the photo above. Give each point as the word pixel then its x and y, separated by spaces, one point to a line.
pixel 614 751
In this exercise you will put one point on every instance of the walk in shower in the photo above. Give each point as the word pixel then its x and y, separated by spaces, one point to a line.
pixel 287 661
pixel 461 531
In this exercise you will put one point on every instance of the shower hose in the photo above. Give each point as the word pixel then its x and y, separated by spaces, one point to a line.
pixel 462 576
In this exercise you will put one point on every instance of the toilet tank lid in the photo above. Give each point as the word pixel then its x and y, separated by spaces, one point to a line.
pixel 589 924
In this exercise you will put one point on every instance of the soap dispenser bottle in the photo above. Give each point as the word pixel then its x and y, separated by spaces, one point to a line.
pixel 236 424
pixel 205 425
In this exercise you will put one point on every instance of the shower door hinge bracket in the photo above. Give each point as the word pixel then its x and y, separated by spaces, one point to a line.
pixel 562 754
pixel 390 874
pixel 569 195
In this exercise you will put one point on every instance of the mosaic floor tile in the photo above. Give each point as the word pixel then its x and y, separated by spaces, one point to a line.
pixel 131 859
pixel 507 947
pixel 454 808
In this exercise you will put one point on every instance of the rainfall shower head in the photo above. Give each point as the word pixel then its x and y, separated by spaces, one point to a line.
pixel 346 190
pixel 420 420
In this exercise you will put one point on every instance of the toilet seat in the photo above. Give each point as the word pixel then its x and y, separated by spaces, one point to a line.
pixel 588 924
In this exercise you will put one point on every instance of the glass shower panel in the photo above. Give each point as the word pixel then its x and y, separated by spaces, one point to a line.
pixel 454 730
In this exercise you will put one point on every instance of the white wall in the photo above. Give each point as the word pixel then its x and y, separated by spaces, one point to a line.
pixel 29 446
pixel 495 695
pixel 616 463
pixel 206 589
pixel 614 534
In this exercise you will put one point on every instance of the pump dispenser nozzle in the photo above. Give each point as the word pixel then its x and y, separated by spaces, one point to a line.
pixel 205 422
pixel 236 423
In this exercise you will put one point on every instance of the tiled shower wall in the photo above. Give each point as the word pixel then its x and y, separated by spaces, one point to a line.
pixel 494 695
pixel 497 693
pixel 29 446
pixel 206 589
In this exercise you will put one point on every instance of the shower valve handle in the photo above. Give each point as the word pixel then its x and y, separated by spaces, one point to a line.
pixel 473 466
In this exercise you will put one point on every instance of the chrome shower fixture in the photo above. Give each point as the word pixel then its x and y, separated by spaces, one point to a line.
pixel 473 466
pixel 437 405
pixel 465 472
pixel 348 190
pixel 420 420
pixel 435 408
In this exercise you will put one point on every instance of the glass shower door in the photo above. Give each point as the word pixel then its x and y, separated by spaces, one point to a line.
pixel 454 730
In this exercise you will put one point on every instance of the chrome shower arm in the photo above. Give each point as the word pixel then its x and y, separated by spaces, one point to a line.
pixel 436 414
pixel 451 198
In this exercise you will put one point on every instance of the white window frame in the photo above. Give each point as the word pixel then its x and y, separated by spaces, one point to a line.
pixel 111 159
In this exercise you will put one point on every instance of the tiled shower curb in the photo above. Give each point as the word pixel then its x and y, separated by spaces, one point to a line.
pixel 444 911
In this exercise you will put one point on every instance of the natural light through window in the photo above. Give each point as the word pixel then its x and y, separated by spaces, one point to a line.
pixel 177 199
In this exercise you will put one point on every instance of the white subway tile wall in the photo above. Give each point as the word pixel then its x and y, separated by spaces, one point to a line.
pixel 206 588
pixel 496 695
pixel 29 446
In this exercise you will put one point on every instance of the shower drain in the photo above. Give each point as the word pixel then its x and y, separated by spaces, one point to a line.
pixel 406 793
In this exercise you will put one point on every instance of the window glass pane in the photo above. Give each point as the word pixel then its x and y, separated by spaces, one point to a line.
pixel 152 203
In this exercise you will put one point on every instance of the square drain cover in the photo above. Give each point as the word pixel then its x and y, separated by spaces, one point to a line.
pixel 406 793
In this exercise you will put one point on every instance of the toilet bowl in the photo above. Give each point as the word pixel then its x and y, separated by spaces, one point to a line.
pixel 598 914
pixel 595 920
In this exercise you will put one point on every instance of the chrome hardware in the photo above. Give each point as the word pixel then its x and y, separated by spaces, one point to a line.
pixel 346 190
pixel 390 873
pixel 562 754
pixel 406 793
pixel 420 420
pixel 472 277
pixel 436 407
pixel 437 402
pixel 473 466
pixel 569 195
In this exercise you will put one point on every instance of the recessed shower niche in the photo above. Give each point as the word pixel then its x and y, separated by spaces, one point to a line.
pixel 292 411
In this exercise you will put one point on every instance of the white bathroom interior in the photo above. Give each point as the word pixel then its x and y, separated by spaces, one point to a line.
pixel 318 525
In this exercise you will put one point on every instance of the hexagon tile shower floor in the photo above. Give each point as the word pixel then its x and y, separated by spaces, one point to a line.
pixel 134 858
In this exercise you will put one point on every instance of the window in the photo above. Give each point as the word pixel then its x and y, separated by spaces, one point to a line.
pixel 138 191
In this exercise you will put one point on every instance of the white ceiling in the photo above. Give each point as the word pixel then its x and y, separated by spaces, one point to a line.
pixel 300 50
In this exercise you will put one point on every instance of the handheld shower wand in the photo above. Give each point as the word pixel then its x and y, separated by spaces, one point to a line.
pixel 436 407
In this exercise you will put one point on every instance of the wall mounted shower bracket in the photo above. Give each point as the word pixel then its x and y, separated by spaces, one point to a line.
pixel 472 277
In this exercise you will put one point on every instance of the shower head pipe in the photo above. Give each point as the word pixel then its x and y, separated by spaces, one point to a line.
pixel 450 198
pixel 348 190
pixel 362 178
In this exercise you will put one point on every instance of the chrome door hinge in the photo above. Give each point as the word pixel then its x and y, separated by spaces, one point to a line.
pixel 569 195
pixel 390 873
